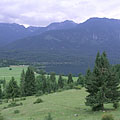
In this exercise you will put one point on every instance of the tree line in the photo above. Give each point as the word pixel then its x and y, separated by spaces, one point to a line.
pixel 42 84
pixel 102 84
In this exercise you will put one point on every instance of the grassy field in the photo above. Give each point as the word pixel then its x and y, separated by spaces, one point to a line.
pixel 62 105
pixel 16 72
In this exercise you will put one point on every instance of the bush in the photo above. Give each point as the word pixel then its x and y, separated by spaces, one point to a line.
pixel 10 68
pixel 13 104
pixel 16 111
pixel 39 100
pixel 107 117
pixel 39 93
pixel 23 98
pixel 116 105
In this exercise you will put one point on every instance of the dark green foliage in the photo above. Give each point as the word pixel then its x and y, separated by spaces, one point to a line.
pixel 14 104
pixel 4 84
pixel 53 82
pixel 107 117
pixel 70 80
pixel 60 82
pixel 81 80
pixel 10 68
pixel 1 117
pixel 22 83
pixel 12 89
pixel 38 100
pixel 116 105
pixel 23 98
pixel 102 84
pixel 16 111
pixel 39 93
pixel 1 92
pixel 29 84
pixel 49 117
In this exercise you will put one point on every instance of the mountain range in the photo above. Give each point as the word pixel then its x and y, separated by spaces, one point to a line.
pixel 62 46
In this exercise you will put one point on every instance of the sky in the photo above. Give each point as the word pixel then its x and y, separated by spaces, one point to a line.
pixel 44 12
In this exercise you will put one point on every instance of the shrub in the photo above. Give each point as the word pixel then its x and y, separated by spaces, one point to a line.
pixel 10 68
pixel 23 98
pixel 16 111
pixel 116 105
pixel 39 93
pixel 107 117
pixel 39 100
pixel 14 104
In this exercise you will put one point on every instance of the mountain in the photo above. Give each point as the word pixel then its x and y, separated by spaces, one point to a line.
pixel 73 48
pixel 95 33
pixel 12 32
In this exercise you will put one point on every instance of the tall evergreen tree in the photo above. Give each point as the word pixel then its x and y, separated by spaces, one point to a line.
pixel 29 82
pixel 60 82
pixel 70 80
pixel 12 89
pixel 81 80
pixel 53 82
pixel 100 82
pixel 39 83
pixel 0 92
pixel 22 83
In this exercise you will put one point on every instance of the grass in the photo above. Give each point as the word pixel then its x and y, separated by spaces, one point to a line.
pixel 62 106
pixel 6 74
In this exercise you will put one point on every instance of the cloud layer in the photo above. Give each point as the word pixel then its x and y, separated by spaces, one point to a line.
pixel 44 12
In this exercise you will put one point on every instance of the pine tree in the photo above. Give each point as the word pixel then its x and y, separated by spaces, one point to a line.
pixel 22 83
pixel 101 84
pixel 70 80
pixel 0 92
pixel 4 83
pixel 60 82
pixel 48 84
pixel 29 82
pixel 53 82
pixel 81 80
pixel 12 89
pixel 39 83
pixel 44 83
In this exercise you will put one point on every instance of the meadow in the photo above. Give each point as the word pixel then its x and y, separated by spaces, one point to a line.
pixel 65 105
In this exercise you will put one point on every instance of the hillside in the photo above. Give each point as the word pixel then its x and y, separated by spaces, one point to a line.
pixel 64 109
pixel 12 32
pixel 68 46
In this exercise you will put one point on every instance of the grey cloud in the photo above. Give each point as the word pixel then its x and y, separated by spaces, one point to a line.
pixel 43 12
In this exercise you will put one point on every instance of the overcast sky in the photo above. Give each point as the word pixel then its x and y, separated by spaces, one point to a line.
pixel 44 12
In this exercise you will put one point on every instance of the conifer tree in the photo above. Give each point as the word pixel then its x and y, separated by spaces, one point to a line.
pixel 101 84
pixel 12 89
pixel 22 83
pixel 70 80
pixel 39 83
pixel 29 82
pixel 81 80
pixel 0 92
pixel 60 82
pixel 53 82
